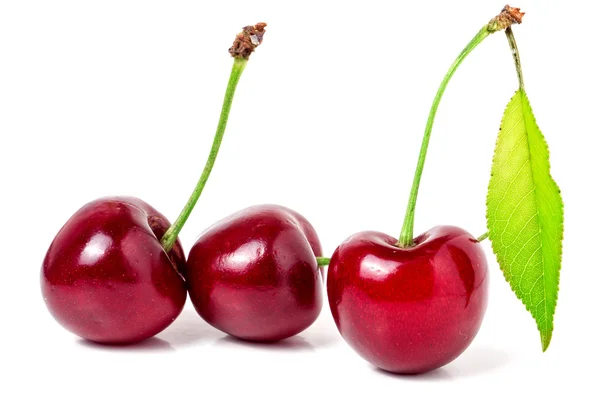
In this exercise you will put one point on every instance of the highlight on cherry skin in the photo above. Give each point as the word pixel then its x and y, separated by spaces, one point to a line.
pixel 254 274
pixel 106 277
pixel 409 310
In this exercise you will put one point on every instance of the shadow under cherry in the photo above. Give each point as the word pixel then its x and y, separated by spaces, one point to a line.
pixel 295 343
pixel 439 375
pixel 473 362
pixel 150 345
pixel 189 329
pixel 480 360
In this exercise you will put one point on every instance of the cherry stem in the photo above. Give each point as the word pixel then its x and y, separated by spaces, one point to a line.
pixel 244 44
pixel 483 237
pixel 515 52
pixel 508 16
pixel 170 237
pixel 323 261
pixel 406 236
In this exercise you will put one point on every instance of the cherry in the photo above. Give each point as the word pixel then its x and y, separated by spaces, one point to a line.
pixel 409 310
pixel 410 305
pixel 254 274
pixel 106 276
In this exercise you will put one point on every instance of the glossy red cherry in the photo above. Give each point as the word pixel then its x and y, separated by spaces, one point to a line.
pixel 254 274
pixel 409 310
pixel 106 276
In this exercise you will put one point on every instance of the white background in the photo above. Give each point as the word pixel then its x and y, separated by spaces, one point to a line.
pixel 122 97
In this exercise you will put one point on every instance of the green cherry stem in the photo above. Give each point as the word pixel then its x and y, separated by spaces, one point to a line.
pixel 483 237
pixel 406 236
pixel 507 17
pixel 244 45
pixel 323 261
pixel 169 238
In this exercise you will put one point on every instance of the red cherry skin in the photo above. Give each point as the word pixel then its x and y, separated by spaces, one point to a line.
pixel 409 310
pixel 106 277
pixel 254 275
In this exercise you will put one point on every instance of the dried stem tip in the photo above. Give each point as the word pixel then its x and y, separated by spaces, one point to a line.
pixel 248 40
pixel 507 17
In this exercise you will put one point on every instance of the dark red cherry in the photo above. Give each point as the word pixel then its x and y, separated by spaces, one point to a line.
pixel 254 274
pixel 106 277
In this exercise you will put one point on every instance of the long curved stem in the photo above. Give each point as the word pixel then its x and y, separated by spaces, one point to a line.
pixel 507 17
pixel 169 238
pixel 406 236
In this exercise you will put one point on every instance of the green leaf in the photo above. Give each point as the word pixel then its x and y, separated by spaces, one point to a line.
pixel 525 214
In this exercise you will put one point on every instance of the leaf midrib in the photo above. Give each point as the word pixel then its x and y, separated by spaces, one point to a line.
pixel 537 212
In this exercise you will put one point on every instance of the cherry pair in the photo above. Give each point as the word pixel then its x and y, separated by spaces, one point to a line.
pixel 253 275
pixel 116 272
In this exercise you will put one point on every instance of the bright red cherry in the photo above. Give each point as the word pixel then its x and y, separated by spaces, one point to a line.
pixel 411 305
pixel 254 274
pixel 409 310
pixel 106 277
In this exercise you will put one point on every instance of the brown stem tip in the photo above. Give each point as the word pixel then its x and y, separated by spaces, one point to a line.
pixel 507 17
pixel 248 40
